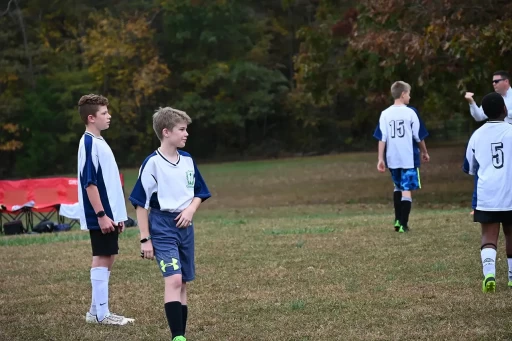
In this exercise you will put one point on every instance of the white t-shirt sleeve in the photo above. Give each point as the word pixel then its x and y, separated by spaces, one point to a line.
pixel 477 112
pixel 145 186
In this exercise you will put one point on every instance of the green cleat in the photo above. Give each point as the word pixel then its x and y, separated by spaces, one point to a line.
pixel 509 284
pixel 179 338
pixel 397 225
pixel 403 229
pixel 489 283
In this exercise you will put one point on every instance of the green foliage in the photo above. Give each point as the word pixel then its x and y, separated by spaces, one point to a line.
pixel 259 78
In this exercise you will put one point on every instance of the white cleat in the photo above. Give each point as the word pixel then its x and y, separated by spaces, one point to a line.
pixel 90 318
pixel 129 320
pixel 109 319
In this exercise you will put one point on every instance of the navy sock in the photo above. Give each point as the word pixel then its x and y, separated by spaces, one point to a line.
pixel 184 314
pixel 174 314
pixel 397 201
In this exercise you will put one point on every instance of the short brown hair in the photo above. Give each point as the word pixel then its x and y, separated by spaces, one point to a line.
pixel 89 104
pixel 398 88
pixel 168 118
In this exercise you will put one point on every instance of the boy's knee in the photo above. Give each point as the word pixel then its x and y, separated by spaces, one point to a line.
pixel 174 282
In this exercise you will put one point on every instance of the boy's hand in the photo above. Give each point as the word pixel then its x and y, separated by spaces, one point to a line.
pixel 185 217
pixel 146 250
pixel 381 166
pixel 425 157
pixel 469 97
pixel 107 225
pixel 121 227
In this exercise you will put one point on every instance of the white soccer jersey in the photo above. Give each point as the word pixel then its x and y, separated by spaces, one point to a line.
pixel 168 186
pixel 399 126
pixel 489 154
pixel 97 166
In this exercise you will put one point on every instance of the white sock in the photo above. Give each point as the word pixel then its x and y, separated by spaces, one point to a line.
pixel 99 281
pixel 92 310
pixel 509 261
pixel 488 256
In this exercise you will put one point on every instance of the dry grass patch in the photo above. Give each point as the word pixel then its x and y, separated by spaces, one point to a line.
pixel 298 249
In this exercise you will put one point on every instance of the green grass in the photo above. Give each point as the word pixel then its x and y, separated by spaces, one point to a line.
pixel 294 249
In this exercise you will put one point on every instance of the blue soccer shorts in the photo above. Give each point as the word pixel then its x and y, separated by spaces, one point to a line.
pixel 173 246
pixel 406 179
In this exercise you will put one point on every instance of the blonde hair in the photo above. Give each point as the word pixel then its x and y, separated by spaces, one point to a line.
pixel 168 118
pixel 398 88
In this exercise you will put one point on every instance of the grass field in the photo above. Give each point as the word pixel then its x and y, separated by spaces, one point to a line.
pixel 294 249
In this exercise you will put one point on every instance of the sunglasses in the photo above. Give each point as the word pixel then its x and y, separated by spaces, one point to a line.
pixel 496 81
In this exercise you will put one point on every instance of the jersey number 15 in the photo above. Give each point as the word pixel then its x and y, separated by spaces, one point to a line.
pixel 397 128
pixel 497 154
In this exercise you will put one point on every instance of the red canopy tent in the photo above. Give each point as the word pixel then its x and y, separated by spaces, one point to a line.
pixel 41 198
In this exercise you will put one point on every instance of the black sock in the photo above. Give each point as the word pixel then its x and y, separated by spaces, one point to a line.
pixel 406 210
pixel 174 318
pixel 397 201
pixel 184 314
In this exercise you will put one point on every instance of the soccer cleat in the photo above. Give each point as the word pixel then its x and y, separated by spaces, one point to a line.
pixel 489 283
pixel 403 229
pixel 179 338
pixel 509 284
pixel 90 318
pixel 397 225
pixel 129 320
pixel 109 319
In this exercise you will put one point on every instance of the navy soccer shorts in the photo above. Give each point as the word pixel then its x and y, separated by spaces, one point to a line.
pixel 173 246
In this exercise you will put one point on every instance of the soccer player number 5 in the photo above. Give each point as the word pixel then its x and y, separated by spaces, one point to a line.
pixel 497 154
pixel 397 128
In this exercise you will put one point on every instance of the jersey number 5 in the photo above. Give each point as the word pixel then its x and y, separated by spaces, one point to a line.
pixel 397 128
pixel 497 154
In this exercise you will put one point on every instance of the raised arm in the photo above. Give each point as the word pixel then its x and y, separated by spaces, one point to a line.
pixel 476 112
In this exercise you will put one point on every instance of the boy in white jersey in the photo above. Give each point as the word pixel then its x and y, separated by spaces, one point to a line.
pixel 401 135
pixel 101 199
pixel 487 156
pixel 171 187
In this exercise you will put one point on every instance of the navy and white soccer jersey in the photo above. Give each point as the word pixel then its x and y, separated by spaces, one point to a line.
pixel 401 128
pixel 97 166
pixel 168 186
pixel 489 155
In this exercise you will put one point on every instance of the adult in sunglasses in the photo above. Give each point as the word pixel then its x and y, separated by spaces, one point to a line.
pixel 501 84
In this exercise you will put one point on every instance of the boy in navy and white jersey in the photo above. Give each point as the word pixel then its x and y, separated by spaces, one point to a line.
pixel 171 188
pixel 487 156
pixel 102 205
pixel 401 136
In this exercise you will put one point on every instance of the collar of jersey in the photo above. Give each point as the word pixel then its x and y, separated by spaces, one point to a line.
pixel 92 135
pixel 163 157
pixel 496 121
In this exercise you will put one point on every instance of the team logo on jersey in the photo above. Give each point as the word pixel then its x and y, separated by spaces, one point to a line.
pixel 191 179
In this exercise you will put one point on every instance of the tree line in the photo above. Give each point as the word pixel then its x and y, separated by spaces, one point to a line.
pixel 259 78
